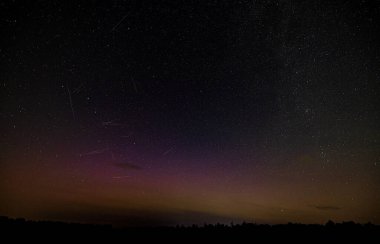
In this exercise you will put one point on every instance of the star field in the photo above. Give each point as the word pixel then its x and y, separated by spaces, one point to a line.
pixel 182 112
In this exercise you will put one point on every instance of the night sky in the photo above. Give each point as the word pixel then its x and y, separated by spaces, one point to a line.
pixel 182 112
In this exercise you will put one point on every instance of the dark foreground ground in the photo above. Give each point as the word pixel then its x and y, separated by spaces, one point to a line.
pixel 52 232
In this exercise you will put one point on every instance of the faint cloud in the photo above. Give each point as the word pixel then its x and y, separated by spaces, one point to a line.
pixel 127 166
pixel 326 207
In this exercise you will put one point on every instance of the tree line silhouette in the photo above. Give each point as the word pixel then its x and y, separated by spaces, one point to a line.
pixel 52 231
